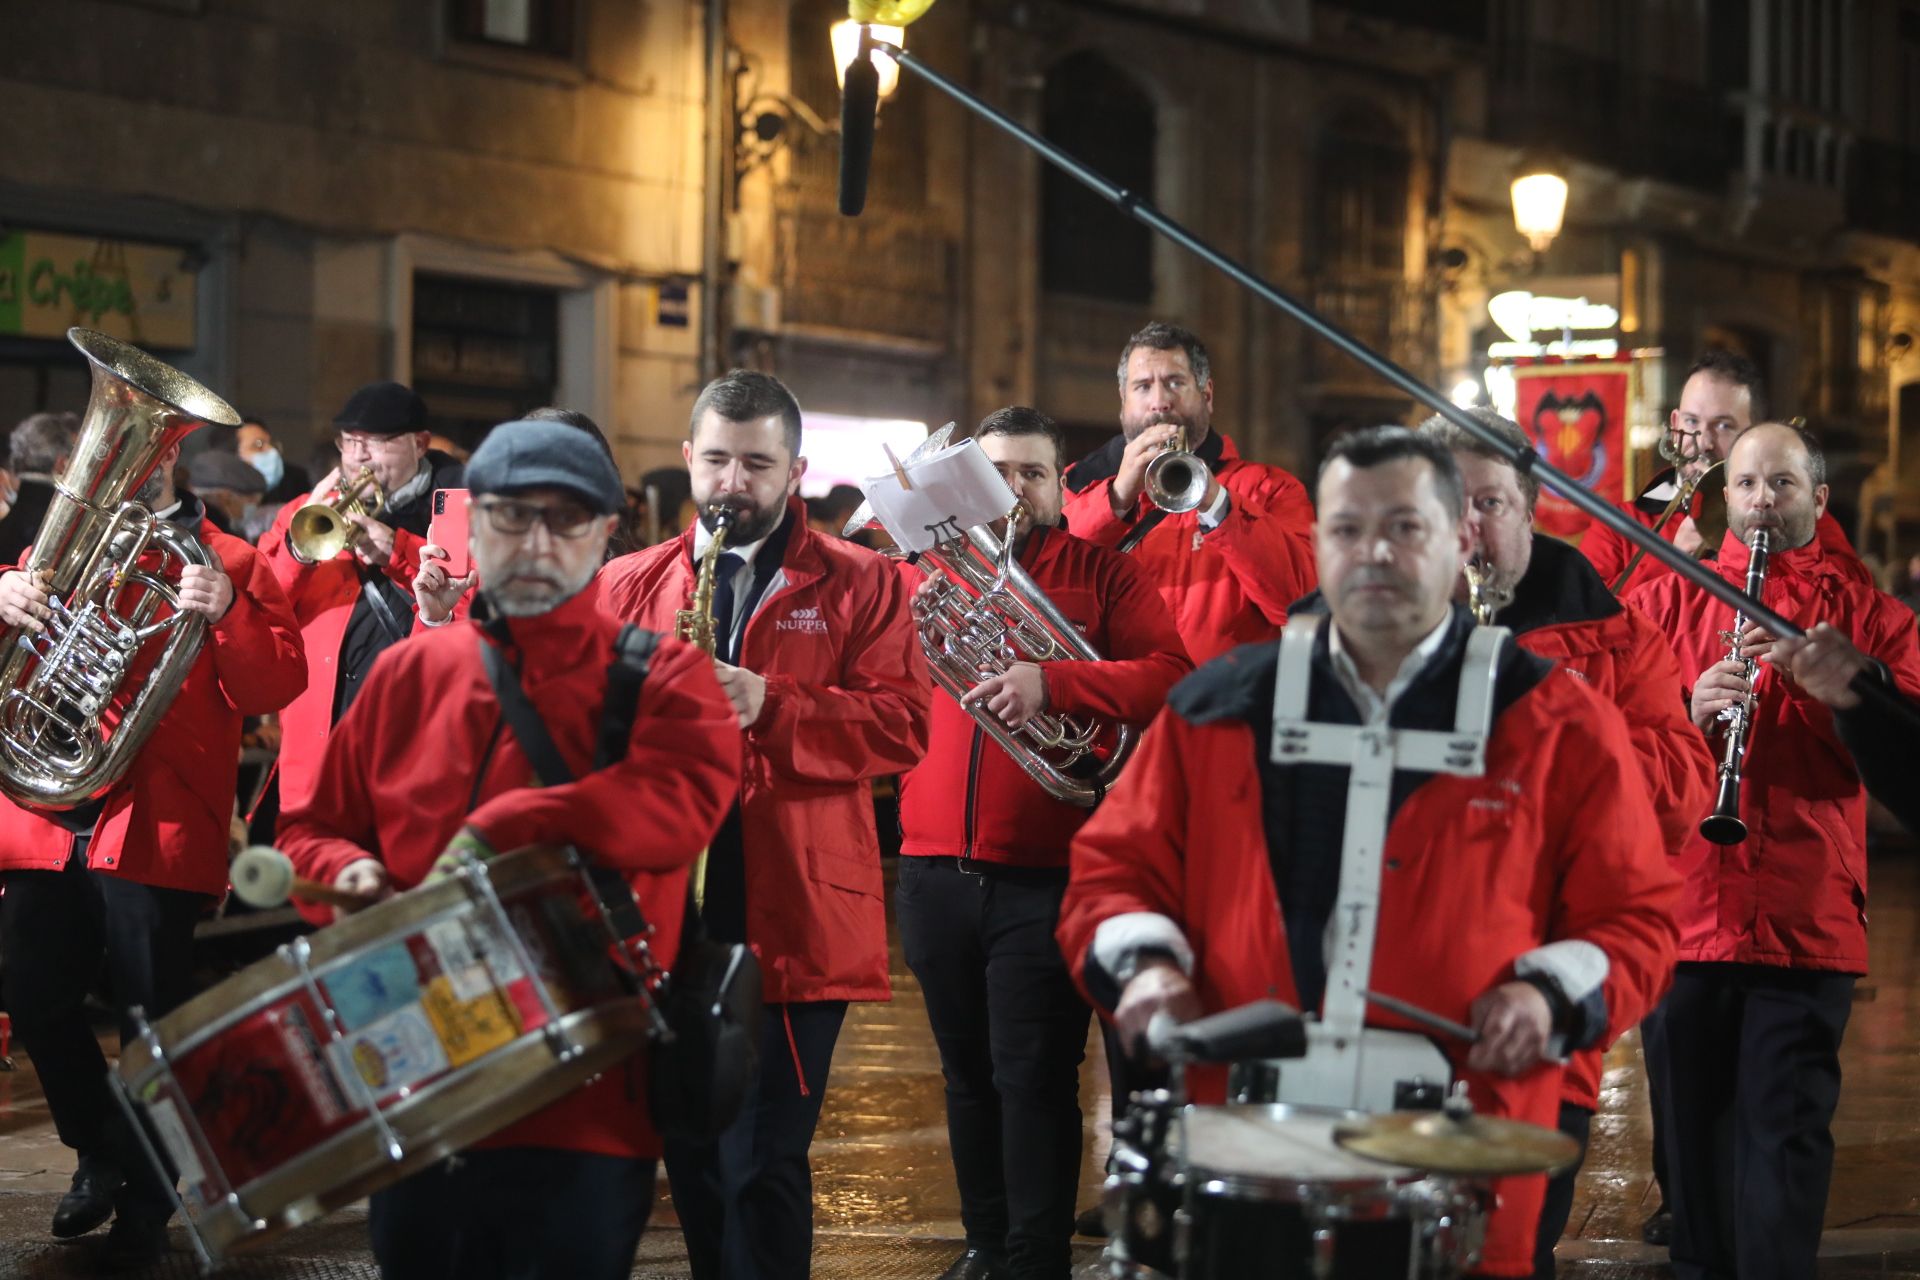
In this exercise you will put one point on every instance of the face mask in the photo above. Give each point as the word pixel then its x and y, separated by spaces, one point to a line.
pixel 270 464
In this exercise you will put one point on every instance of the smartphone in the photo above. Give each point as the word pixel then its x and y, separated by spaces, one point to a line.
pixel 449 529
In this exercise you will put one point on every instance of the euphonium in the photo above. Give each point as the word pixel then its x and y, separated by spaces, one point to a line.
pixel 1723 825
pixel 320 530
pixel 1177 479
pixel 982 614
pixel 67 733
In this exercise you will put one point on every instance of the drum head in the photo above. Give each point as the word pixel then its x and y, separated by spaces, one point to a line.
pixel 1277 1152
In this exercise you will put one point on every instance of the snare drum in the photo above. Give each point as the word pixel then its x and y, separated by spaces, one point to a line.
pixel 1272 1195
pixel 392 1039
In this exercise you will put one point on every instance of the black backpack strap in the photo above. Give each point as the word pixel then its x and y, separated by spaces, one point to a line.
pixel 626 675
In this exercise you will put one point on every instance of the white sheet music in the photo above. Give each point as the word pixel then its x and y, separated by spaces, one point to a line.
pixel 953 490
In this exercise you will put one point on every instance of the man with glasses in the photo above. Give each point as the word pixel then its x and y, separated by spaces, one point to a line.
pixel 566 1191
pixel 355 605
pixel 815 646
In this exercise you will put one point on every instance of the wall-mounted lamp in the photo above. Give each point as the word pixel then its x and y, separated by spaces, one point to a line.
pixel 1539 201
pixel 846 47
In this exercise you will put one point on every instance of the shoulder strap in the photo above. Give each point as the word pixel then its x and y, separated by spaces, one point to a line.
pixel 633 652
pixel 522 718
pixel 373 587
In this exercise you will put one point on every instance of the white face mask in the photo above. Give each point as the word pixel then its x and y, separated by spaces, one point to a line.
pixel 270 464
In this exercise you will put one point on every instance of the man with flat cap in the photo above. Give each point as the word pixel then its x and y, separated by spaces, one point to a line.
pixel 356 604
pixel 229 488
pixel 566 1191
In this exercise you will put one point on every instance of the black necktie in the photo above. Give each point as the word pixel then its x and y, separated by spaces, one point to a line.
pixel 723 578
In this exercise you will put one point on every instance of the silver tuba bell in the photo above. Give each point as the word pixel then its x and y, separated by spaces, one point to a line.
pixel 79 699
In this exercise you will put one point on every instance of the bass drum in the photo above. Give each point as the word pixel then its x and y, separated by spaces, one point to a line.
pixel 387 1042
pixel 1273 1196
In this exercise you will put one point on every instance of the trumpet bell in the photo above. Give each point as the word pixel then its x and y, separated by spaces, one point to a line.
pixel 318 532
pixel 1177 481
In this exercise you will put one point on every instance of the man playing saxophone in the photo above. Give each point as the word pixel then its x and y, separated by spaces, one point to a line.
pixel 1773 928
pixel 123 878
pixel 814 645
pixel 984 863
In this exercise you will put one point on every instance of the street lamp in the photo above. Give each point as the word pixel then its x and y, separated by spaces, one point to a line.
pixel 1539 202
pixel 846 47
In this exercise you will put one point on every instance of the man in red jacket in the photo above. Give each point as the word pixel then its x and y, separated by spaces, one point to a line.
pixel 1227 570
pixel 1505 883
pixel 984 862
pixel 1722 396
pixel 1773 930
pixel 125 877
pixel 815 647
pixel 1557 607
pixel 424 761
pixel 356 604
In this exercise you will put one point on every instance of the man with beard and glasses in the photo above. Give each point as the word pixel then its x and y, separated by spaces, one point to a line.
pixel 1506 883
pixel 1227 570
pixel 814 643
pixel 121 880
pixel 1557 607
pixel 424 763
pixel 1773 930
pixel 353 606
pixel 983 864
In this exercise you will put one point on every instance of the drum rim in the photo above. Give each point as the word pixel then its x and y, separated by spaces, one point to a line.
pixel 1390 1184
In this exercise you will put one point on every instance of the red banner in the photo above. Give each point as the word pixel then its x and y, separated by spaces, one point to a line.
pixel 1576 416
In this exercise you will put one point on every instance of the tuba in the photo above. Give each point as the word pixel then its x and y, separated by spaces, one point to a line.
pixel 81 697
pixel 319 531
pixel 1176 479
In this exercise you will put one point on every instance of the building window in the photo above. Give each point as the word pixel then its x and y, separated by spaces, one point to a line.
pixel 539 26
pixel 1362 173
pixel 1088 247
pixel 483 353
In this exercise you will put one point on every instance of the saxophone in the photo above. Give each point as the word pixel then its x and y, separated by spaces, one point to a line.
pixel 694 624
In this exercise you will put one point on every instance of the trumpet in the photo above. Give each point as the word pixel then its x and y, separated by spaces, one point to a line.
pixel 320 530
pixel 1723 825
pixel 1177 480
pixel 1481 599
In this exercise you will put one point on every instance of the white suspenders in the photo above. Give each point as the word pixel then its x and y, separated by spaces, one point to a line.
pixel 1346 1064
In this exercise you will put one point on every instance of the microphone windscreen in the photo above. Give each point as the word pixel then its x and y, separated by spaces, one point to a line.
pixel 859 104
pixel 262 877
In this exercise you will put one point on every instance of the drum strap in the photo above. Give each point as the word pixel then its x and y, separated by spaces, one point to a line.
pixel 1371 754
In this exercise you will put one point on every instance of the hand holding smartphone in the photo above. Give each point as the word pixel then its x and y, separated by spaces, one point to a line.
pixel 448 529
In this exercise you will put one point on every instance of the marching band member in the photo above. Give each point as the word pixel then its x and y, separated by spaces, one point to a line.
pixel 1515 896
pixel 355 605
pixel 566 1191
pixel 1558 608
pixel 815 647
pixel 1227 570
pixel 1772 929
pixel 1721 397
pixel 124 878
pixel 983 866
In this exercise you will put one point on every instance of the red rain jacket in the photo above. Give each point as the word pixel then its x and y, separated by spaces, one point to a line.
pixel 1555 841
pixel 400 766
pixel 1610 553
pixel 969 798
pixel 165 823
pixel 1794 893
pixel 1223 588
pixel 847 695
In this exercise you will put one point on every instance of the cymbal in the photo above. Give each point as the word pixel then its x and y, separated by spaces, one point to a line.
pixel 1463 1144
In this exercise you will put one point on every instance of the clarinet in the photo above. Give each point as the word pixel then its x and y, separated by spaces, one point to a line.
pixel 1723 825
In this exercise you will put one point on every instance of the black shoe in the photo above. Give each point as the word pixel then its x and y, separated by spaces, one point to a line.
pixel 90 1202
pixel 1658 1229
pixel 136 1240
pixel 973 1265
pixel 1091 1223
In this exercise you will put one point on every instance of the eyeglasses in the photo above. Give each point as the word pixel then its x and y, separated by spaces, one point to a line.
pixel 373 444
pixel 563 520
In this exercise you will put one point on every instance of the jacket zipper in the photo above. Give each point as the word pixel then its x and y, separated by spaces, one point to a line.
pixel 973 787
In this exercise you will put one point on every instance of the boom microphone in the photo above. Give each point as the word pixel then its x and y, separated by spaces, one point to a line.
pixel 859 104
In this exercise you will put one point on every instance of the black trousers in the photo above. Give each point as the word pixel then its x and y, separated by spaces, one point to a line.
pixel 1577 1123
pixel 57 928
pixel 746 1201
pixel 514 1213
pixel 1653 1047
pixel 1753 1077
pixel 1012 1031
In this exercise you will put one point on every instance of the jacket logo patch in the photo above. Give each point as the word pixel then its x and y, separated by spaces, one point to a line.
pixel 808 620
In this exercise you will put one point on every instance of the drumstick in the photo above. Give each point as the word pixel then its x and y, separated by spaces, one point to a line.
pixel 263 878
pixel 1431 1021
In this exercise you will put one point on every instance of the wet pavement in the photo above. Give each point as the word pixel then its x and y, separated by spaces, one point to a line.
pixel 886 1204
